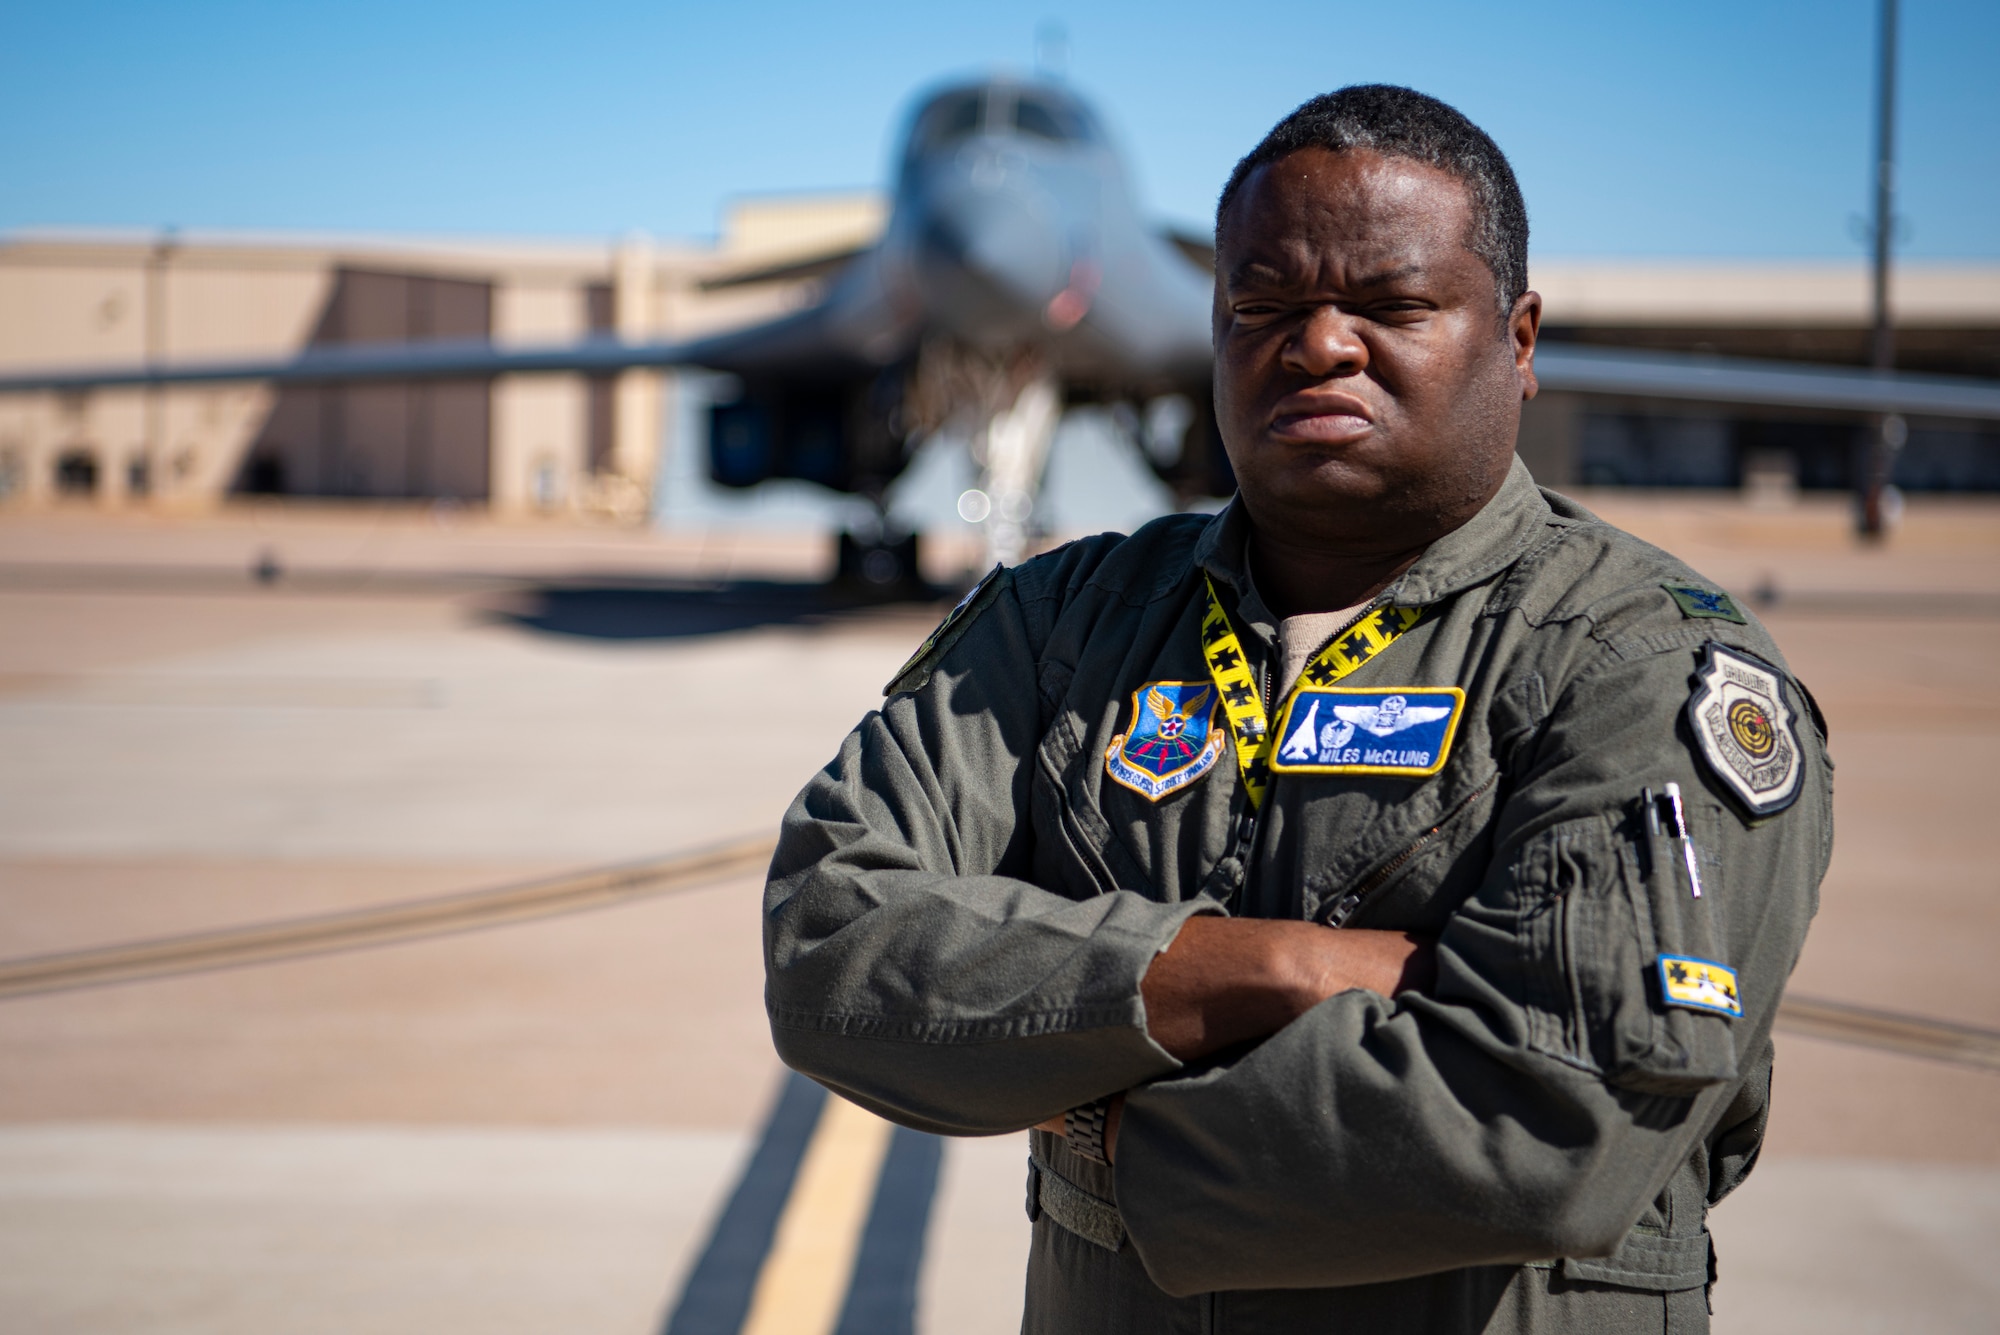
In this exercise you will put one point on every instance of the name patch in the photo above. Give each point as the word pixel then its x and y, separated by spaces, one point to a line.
pixel 1172 742
pixel 1404 731
pixel 1699 985
pixel 1744 729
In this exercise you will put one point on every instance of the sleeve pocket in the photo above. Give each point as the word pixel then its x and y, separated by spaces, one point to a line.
pixel 1598 903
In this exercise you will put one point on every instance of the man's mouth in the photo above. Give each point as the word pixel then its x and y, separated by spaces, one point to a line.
pixel 1321 419
pixel 1330 428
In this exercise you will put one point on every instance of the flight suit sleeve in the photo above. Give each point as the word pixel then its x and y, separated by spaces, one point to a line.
pixel 1538 1099
pixel 910 963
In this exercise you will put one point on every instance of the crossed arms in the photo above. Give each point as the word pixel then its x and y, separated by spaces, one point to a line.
pixel 1228 981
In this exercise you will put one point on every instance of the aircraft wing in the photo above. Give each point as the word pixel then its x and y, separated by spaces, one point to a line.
pixel 824 265
pixel 348 363
pixel 1665 375
pixel 1197 248
pixel 805 344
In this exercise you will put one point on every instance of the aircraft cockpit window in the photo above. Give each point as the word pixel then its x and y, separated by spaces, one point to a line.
pixel 953 119
pixel 1046 120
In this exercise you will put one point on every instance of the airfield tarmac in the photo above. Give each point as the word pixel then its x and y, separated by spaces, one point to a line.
pixel 544 1126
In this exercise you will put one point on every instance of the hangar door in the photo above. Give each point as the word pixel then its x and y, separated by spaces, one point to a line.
pixel 416 439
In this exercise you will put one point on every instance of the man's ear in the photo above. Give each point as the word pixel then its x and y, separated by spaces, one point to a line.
pixel 1524 326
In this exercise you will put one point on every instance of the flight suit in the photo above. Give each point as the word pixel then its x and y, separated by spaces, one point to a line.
pixel 963 902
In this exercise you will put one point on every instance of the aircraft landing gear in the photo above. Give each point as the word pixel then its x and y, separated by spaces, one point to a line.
pixel 1005 404
pixel 878 561
pixel 1012 447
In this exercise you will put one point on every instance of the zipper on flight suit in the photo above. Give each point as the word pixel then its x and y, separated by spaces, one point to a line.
pixel 1351 903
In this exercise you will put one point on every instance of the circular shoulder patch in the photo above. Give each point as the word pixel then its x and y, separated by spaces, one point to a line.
pixel 1744 730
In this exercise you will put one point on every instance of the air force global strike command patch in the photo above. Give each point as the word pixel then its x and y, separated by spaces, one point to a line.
pixel 1744 729
pixel 1172 742
pixel 1404 731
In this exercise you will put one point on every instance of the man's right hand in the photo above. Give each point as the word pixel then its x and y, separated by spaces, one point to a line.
pixel 1226 981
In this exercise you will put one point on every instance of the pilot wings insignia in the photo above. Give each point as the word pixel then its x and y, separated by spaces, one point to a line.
pixel 1173 740
pixel 1391 716
pixel 1405 731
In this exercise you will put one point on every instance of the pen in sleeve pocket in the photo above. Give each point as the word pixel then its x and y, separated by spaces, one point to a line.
pixel 1679 809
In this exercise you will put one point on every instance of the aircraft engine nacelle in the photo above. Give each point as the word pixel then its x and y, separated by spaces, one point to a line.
pixel 842 435
pixel 1177 434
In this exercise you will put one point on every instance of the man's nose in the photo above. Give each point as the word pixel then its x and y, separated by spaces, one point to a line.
pixel 1328 344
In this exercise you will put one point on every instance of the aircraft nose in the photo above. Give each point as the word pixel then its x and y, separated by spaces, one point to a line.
pixel 1005 239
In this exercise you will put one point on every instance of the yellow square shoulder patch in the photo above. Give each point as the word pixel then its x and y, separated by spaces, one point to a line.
pixel 1699 985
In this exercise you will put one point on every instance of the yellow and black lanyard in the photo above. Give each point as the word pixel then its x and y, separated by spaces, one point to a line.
pixel 1243 699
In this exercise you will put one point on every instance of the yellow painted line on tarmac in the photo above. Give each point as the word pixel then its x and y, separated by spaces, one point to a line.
pixel 806 1274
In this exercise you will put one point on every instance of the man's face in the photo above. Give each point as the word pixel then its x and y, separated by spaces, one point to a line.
pixel 1367 388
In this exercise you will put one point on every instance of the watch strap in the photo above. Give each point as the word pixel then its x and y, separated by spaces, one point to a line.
pixel 1083 1129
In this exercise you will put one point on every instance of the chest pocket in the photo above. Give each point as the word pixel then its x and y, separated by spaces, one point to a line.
pixel 1075 851
pixel 1594 903
pixel 1093 836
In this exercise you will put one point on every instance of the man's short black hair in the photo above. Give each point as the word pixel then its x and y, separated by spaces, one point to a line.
pixel 1403 123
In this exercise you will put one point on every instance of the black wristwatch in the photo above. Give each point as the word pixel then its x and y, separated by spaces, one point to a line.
pixel 1083 1129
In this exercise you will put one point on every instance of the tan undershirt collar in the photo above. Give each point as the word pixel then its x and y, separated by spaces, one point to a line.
pixel 1300 637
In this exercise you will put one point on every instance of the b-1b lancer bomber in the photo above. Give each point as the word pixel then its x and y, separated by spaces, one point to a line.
pixel 1016 277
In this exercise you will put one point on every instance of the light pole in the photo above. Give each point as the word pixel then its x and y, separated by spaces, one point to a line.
pixel 153 449
pixel 1888 431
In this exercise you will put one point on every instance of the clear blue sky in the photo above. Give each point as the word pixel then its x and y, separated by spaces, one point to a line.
pixel 1661 129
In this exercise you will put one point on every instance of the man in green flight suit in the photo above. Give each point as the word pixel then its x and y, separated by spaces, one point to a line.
pixel 1376 896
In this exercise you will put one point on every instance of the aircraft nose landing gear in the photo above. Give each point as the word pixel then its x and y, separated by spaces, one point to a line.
pixel 880 565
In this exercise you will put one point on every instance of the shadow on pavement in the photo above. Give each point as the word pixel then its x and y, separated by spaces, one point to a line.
pixel 664 611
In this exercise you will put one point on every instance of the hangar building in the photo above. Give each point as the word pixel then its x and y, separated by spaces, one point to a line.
pixel 567 443
pixel 519 443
